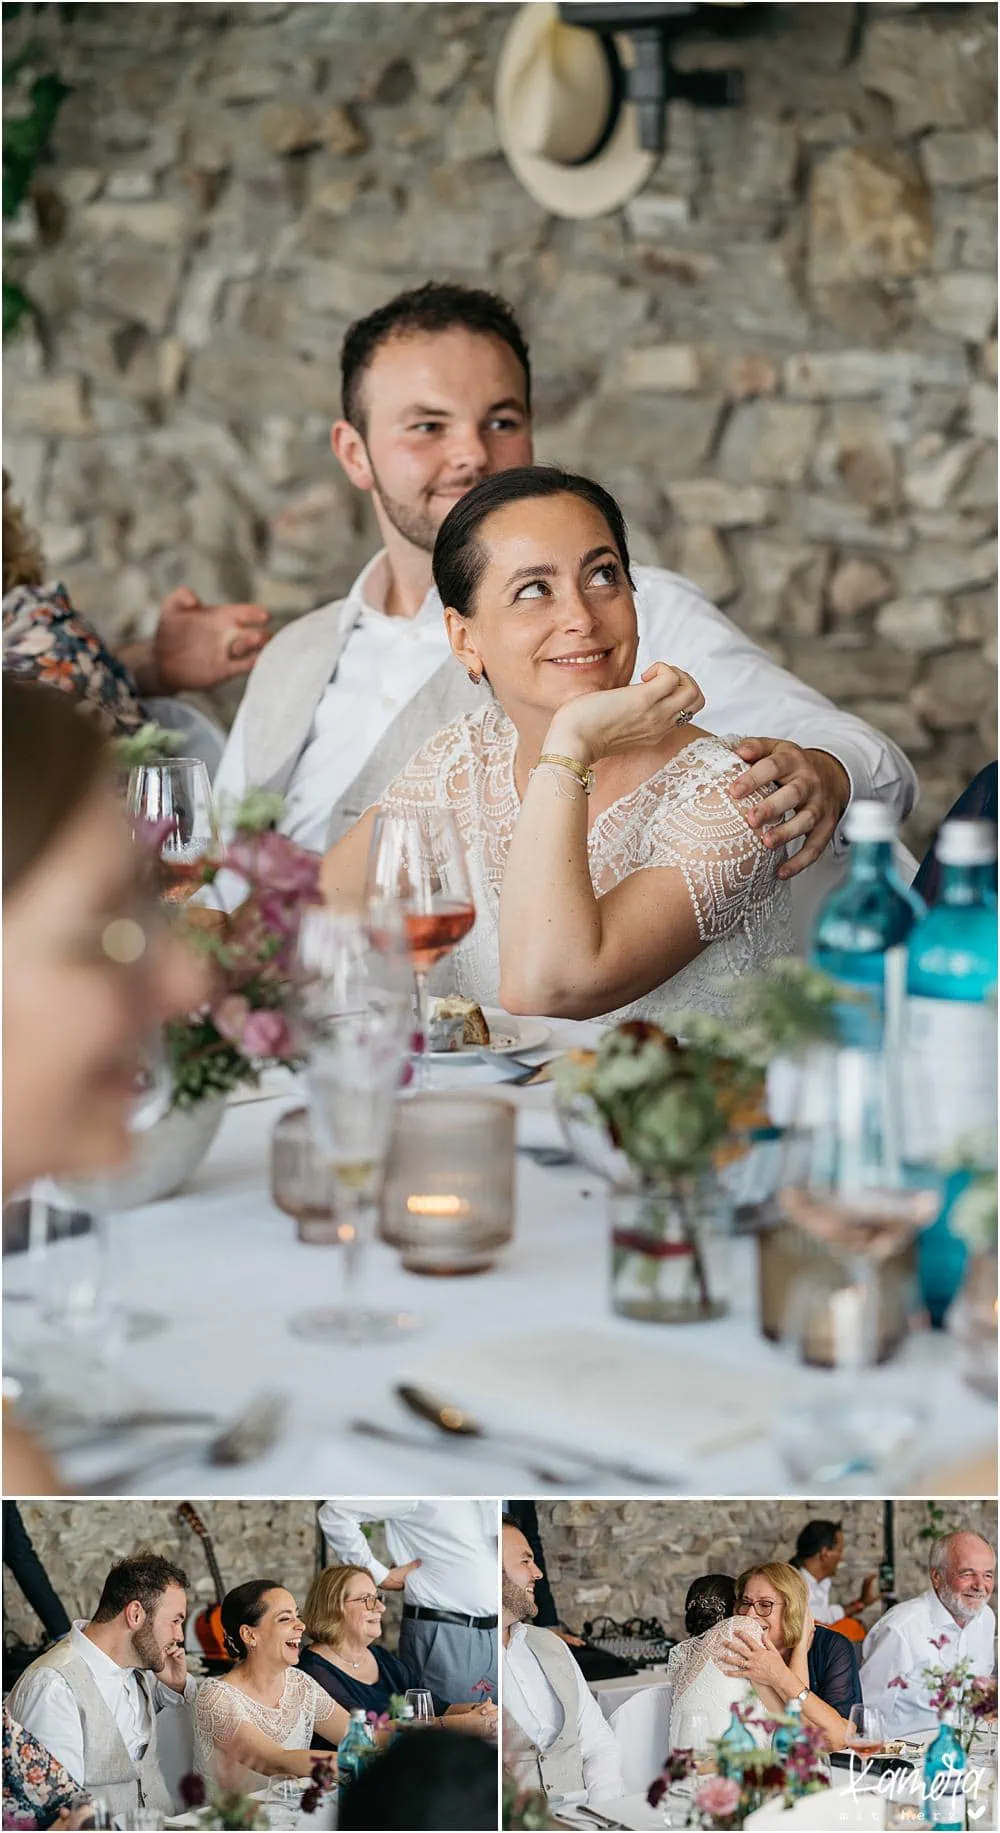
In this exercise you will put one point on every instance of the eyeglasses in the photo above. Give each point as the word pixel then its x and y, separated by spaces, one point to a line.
pixel 373 1601
pixel 762 1607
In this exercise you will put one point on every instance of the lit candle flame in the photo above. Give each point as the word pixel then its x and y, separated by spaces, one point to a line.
pixel 438 1206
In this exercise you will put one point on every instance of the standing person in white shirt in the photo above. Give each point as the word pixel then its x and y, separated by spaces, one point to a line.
pixel 437 396
pixel 570 1749
pixel 819 1550
pixel 93 1698
pixel 444 1558
pixel 949 1623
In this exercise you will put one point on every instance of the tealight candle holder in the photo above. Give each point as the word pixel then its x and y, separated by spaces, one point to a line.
pixel 448 1199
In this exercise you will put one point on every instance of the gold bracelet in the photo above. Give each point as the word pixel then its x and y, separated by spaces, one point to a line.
pixel 583 775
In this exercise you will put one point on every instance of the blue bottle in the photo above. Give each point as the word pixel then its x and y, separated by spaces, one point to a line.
pixel 944 1796
pixel 862 921
pixel 788 1733
pixel 353 1750
pixel 949 1059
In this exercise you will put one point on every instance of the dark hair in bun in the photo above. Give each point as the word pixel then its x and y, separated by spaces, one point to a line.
pixel 244 1604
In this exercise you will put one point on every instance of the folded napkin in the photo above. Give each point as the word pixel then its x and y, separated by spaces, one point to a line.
pixel 610 1395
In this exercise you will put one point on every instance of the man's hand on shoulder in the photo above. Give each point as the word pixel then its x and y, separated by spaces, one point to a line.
pixel 813 790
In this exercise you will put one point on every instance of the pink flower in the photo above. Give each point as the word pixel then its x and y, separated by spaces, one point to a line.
pixel 150 835
pixel 267 1034
pixel 230 1016
pixel 719 1796
pixel 277 864
pixel 941 1641
pixel 898 1681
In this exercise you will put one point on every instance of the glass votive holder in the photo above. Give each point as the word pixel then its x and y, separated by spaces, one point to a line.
pixel 448 1199
pixel 302 1183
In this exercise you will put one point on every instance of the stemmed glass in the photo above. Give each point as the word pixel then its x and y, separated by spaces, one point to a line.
pixel 177 794
pixel 355 1010
pixel 417 866
pixel 867 1733
pixel 423 1704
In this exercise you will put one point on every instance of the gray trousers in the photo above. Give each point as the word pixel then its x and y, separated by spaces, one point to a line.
pixel 450 1659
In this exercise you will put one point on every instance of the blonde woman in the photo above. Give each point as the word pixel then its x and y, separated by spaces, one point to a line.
pixel 343 1618
pixel 797 1658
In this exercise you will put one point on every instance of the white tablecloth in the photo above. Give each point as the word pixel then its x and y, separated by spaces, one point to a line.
pixel 826 1812
pixel 225 1266
pixel 610 1694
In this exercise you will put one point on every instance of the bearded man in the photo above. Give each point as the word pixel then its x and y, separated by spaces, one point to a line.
pixel 950 1622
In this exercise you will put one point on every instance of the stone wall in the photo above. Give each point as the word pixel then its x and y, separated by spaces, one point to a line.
pixel 77 1542
pixel 624 1559
pixel 781 354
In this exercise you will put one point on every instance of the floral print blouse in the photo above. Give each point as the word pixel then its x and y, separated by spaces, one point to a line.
pixel 46 640
pixel 35 1785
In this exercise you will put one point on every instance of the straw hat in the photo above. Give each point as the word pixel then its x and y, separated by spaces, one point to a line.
pixel 574 149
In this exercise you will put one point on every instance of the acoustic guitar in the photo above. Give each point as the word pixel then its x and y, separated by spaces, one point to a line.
pixel 208 1622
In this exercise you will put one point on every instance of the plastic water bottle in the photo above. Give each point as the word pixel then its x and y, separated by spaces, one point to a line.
pixel 353 1750
pixel 864 923
pixel 787 1735
pixel 944 1791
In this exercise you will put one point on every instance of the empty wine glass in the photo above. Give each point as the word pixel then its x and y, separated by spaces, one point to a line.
pixel 417 866
pixel 422 1702
pixel 355 1010
pixel 176 795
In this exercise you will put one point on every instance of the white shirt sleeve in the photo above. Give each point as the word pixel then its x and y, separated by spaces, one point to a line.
pixel 747 693
pixel 164 1696
pixel 230 784
pixel 886 1654
pixel 602 1764
pixel 43 1703
pixel 341 1526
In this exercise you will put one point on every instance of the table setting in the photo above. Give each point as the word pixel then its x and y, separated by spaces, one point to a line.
pixel 449 1254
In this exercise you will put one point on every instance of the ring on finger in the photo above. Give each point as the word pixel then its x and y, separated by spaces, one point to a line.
pixel 684 719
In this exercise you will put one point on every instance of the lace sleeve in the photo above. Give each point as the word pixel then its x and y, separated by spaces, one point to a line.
pixel 727 868
pixel 218 1713
pixel 436 776
pixel 318 1705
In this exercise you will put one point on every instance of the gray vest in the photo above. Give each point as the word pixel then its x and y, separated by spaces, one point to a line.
pixel 285 689
pixel 108 1770
pixel 560 1768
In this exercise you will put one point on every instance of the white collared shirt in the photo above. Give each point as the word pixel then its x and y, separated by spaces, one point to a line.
pixel 899 1644
pixel 824 1608
pixel 43 1703
pixel 386 660
pixel 534 1706
pixel 456 1543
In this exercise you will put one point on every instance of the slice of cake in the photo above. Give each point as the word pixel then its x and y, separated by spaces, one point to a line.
pixel 475 1030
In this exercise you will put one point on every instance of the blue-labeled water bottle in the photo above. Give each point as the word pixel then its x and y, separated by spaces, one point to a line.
pixel 944 1787
pixel 787 1734
pixel 863 921
pixel 353 1750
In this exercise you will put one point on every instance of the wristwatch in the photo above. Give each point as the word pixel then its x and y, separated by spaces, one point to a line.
pixel 799 1699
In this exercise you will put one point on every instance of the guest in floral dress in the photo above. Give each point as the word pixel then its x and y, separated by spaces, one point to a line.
pixel 37 1791
pixel 46 639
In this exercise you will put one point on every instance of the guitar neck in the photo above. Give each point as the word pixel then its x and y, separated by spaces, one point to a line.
pixel 197 1525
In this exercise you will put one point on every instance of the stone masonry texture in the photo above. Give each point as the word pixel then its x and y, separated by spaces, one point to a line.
pixel 77 1542
pixel 625 1559
pixel 781 354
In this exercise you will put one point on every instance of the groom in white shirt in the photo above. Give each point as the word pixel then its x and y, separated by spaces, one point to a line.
pixel 437 396
pixel 569 1750
pixel 93 1698
pixel 950 1622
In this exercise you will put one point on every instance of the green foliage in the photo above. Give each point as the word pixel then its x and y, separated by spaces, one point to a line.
pixel 778 1012
pixel 26 137
pixel 937 1524
pixel 259 810
pixel 152 744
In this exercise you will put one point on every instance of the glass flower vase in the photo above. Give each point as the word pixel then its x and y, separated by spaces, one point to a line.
pixel 668 1250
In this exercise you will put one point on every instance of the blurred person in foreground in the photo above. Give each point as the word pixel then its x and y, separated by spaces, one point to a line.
pixel 91 969
pixel 194 646
pixel 427 1780
pixel 37 1790
pixel 949 1622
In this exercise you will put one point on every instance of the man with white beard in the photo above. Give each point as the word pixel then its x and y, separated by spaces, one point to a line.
pixel 950 1622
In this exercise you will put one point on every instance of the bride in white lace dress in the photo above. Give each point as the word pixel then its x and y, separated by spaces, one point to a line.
pixel 258 1720
pixel 703 1694
pixel 613 874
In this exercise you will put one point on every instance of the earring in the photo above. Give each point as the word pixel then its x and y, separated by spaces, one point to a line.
pixel 474 678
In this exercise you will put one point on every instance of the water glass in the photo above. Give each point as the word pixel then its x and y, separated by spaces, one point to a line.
pixel 867 1733
pixel 423 1704
pixel 448 1202
pixel 302 1183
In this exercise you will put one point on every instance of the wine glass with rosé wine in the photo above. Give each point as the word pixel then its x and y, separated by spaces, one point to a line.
pixel 417 867
pixel 175 797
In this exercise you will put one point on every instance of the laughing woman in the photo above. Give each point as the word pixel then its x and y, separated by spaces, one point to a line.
pixel 259 1720
pixel 613 874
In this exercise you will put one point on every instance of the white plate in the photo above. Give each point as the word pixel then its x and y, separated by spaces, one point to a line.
pixel 508 1036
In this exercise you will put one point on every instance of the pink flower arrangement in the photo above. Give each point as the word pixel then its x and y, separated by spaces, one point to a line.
pixel 719 1796
pixel 248 1021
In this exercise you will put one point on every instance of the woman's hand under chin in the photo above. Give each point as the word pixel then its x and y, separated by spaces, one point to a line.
pixel 632 718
